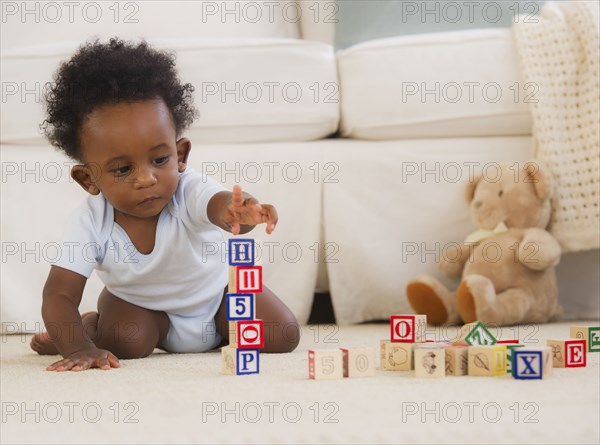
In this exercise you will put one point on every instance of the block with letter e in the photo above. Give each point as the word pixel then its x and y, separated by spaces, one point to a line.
pixel 591 334
pixel 570 353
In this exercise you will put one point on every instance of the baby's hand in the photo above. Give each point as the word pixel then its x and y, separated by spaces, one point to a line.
pixel 85 359
pixel 248 211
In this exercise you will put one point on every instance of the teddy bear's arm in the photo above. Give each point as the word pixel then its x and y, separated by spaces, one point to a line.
pixel 452 264
pixel 538 250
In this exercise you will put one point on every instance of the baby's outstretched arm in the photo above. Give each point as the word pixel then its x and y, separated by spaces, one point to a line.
pixel 61 297
pixel 238 212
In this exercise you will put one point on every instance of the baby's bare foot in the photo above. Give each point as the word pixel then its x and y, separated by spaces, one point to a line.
pixel 42 344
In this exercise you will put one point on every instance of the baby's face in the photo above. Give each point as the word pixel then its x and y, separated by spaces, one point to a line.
pixel 132 154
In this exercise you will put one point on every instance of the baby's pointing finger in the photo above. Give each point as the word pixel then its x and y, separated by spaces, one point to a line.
pixel 237 197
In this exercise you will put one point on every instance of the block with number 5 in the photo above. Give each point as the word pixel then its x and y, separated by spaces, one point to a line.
pixel 325 364
pixel 240 306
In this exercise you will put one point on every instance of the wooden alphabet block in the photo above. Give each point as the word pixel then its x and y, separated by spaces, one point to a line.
pixel 232 286
pixel 408 328
pixel 325 364
pixel 240 361
pixel 487 360
pixel 240 306
pixel 510 349
pixel 233 329
pixel 241 252
pixel 430 361
pixel 397 356
pixel 358 362
pixel 532 363
pixel 568 353
pixel 248 279
pixel 477 334
pixel 589 333
pixel 457 360
pixel 250 334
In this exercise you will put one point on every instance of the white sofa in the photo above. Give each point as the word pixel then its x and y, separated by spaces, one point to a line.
pixel 366 173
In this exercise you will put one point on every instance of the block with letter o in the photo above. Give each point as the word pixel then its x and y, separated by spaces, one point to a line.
pixel 240 306
pixel 250 334
pixel 408 328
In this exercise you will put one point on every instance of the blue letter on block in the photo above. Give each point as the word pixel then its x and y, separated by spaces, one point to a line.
pixel 247 361
pixel 241 252
pixel 527 364
pixel 240 306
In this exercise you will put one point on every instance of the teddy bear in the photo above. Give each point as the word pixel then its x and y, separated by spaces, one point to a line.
pixel 507 268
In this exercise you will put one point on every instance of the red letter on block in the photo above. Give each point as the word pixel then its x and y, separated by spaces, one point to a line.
pixel 250 334
pixel 402 328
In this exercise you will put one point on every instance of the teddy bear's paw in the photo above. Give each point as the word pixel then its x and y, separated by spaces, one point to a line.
pixel 428 296
pixel 475 297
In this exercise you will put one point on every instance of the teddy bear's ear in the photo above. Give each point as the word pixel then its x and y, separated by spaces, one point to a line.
pixel 540 177
pixel 471 186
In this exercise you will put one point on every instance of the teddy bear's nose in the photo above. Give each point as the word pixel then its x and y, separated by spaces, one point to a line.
pixel 478 204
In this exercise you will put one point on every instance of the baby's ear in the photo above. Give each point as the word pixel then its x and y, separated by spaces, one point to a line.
pixel 471 186
pixel 183 150
pixel 86 177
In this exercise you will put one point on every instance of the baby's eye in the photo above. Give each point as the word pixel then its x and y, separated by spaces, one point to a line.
pixel 161 160
pixel 122 170
pixel 500 193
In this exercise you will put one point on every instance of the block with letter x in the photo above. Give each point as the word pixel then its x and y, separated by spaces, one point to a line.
pixel 248 279
pixel 241 252
pixel 532 363
pixel 240 306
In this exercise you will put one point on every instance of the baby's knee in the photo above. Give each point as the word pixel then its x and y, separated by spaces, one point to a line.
pixel 286 337
pixel 127 340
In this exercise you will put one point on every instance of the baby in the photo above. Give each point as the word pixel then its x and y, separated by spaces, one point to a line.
pixel 119 109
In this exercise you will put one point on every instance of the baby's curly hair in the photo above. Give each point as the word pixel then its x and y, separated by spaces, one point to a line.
pixel 110 73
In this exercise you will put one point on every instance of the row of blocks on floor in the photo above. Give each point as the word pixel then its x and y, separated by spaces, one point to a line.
pixel 459 357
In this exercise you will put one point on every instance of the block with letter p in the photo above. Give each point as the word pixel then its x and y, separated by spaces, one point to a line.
pixel 250 334
pixel 240 361
pixel 408 328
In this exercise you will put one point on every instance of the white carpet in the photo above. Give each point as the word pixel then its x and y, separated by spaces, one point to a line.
pixel 169 398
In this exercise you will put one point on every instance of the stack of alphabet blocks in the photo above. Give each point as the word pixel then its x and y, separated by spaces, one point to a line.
pixel 476 352
pixel 246 333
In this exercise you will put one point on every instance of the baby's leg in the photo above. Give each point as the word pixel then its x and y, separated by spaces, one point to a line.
pixel 126 330
pixel 282 331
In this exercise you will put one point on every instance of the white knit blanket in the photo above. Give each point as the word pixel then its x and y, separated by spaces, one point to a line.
pixel 558 50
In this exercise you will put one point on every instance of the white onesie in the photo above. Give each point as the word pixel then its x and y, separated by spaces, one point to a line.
pixel 184 275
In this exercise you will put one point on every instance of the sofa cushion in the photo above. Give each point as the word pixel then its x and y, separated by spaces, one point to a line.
pixel 455 84
pixel 247 90
pixel 37 23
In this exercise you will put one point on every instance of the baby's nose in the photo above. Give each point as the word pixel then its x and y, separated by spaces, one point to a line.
pixel 478 204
